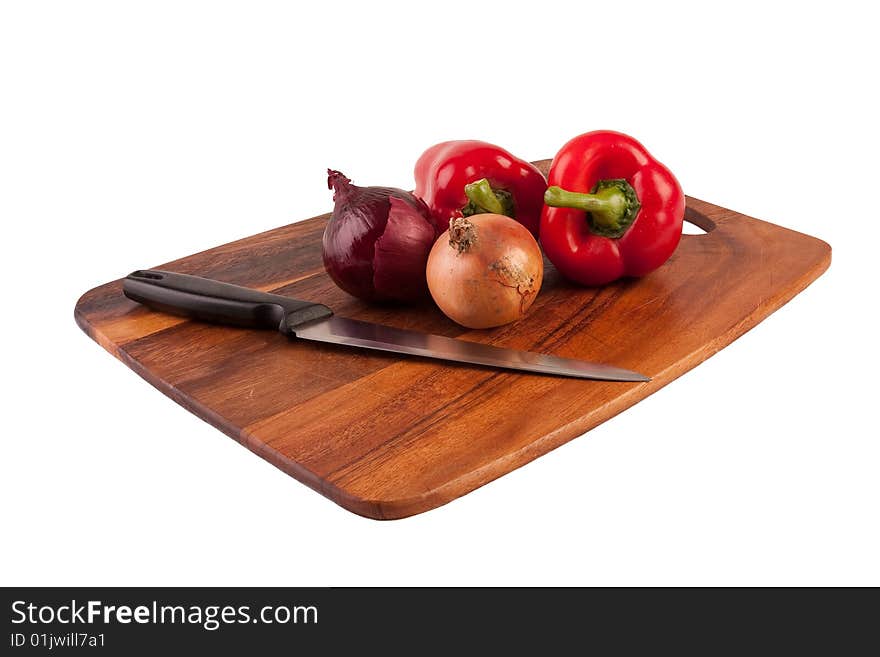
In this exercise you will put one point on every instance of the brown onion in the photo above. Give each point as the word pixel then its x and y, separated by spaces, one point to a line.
pixel 377 241
pixel 485 271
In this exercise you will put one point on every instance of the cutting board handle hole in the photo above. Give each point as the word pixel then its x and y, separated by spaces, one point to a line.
pixel 696 223
pixel 691 229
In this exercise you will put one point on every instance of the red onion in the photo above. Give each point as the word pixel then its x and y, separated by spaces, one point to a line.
pixel 377 241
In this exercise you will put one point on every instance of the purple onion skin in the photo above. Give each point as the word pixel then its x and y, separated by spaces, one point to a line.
pixel 377 242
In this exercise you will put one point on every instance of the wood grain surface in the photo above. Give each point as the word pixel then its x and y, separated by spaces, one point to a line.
pixel 387 436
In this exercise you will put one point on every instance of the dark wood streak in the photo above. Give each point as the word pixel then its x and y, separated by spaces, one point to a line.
pixel 387 436
pixel 467 397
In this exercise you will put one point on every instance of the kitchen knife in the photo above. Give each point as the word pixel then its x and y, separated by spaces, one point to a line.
pixel 213 301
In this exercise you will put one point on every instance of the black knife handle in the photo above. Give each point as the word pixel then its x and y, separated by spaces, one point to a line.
pixel 223 303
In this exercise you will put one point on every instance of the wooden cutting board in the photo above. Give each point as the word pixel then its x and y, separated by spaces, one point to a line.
pixel 388 437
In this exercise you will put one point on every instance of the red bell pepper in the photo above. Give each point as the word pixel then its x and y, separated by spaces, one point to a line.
pixel 463 178
pixel 611 209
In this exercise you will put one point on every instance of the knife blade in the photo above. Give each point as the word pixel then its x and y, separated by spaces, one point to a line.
pixel 214 301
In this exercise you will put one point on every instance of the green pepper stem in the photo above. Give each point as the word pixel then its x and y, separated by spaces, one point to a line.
pixel 607 206
pixel 481 194
pixel 613 205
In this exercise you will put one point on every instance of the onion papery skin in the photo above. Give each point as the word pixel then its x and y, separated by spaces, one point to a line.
pixel 485 271
pixel 377 241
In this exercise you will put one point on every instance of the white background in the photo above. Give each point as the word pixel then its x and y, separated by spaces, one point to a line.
pixel 135 133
